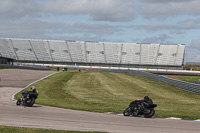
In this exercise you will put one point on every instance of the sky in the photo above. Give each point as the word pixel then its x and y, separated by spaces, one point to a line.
pixel 128 21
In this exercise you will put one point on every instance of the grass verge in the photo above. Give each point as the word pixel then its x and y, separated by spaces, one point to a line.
pixel 8 129
pixel 190 78
pixel 112 92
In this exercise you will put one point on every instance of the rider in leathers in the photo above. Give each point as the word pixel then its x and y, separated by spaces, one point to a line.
pixel 33 93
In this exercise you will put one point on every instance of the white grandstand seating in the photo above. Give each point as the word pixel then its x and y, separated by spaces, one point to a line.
pixel 95 52
pixel 172 54
pixel 92 52
pixel 144 53
pixel 127 53
pixel 59 51
pixel 136 53
pixel 180 54
pixel 149 53
pixel 48 51
pixel 112 52
pixel 23 50
pixel 162 55
pixel 6 49
pixel 169 55
pixel 153 53
pixel 76 51
pixel 40 50
pixel 100 53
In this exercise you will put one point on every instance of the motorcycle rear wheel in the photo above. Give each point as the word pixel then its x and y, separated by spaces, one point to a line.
pixel 30 102
pixel 150 113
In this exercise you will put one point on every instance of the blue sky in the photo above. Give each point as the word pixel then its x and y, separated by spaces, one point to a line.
pixel 133 21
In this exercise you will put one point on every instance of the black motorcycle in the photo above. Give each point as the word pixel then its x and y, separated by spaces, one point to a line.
pixel 26 99
pixel 140 107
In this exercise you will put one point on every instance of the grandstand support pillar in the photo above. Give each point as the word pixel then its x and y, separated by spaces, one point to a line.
pixel 33 50
pixel 120 62
pixel 156 62
pixel 104 49
pixel 85 45
pixel 176 55
pixel 69 51
pixel 50 51
pixel 14 49
pixel 140 54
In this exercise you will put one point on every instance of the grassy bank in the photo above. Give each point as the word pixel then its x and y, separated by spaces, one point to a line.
pixel 112 92
pixel 7 129
pixel 190 78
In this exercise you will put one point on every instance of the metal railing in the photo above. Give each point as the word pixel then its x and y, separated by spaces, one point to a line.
pixel 184 85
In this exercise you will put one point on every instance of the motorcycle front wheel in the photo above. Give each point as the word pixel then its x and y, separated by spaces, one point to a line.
pixel 127 112
pixel 18 102
pixel 149 113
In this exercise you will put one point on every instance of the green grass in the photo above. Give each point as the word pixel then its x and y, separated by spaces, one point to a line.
pixel 7 129
pixel 190 78
pixel 112 92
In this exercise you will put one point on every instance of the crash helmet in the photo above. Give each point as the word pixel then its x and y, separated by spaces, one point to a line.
pixel 146 98
pixel 32 87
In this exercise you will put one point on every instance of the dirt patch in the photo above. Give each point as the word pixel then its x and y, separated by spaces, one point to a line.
pixel 172 77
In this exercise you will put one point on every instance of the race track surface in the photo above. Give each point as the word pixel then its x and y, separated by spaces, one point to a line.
pixel 40 116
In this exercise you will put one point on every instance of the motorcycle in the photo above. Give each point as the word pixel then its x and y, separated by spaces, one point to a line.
pixel 137 108
pixel 26 99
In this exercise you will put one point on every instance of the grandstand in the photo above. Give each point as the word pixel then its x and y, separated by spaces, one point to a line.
pixel 168 56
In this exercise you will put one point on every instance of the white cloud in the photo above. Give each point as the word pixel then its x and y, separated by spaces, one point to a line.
pixel 164 1
pixel 190 24
pixel 169 8
pixel 192 51
pixel 84 37
pixel 12 9
pixel 99 10
pixel 157 27
pixel 179 27
pixel 195 44
pixel 162 38
pixel 49 29
pixel 99 29
pixel 192 55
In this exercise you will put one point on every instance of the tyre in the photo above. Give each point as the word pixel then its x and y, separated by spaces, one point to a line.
pixel 127 112
pixel 18 102
pixel 149 113
pixel 30 102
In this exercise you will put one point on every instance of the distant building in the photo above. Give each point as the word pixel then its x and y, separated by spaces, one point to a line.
pixel 192 63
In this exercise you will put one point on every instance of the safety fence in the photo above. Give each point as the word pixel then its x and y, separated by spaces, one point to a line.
pixel 187 86
pixel 194 82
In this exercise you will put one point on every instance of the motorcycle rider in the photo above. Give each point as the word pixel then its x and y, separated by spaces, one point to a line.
pixel 147 101
pixel 33 93
pixel 141 104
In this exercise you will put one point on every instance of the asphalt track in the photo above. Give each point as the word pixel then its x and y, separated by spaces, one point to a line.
pixel 40 116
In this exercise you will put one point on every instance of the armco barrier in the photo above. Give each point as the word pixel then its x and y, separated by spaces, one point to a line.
pixel 184 85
